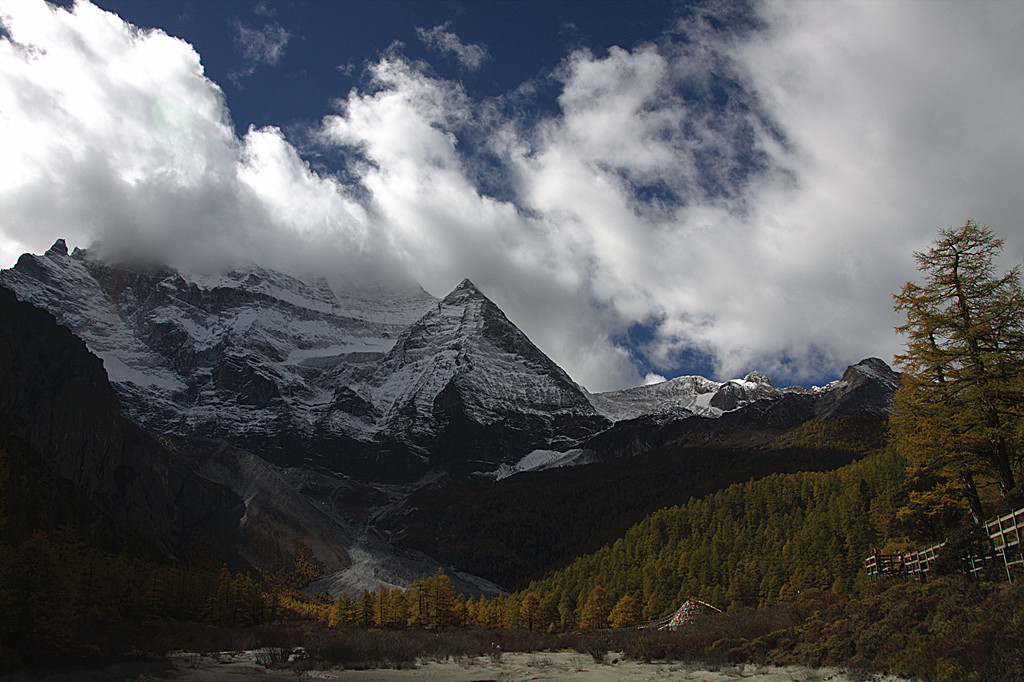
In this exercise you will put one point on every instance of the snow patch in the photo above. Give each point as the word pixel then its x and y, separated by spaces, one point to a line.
pixel 541 460
pixel 120 373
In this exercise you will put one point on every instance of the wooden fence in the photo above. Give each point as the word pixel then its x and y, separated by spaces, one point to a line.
pixel 1007 550
pixel 1005 534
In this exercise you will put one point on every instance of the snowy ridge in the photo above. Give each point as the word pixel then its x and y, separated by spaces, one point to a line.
pixel 251 351
pixel 687 396
pixel 681 396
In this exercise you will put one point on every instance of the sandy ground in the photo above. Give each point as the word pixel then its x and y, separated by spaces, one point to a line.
pixel 512 668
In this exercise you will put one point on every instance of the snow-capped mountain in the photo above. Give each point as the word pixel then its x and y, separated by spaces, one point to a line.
pixel 687 395
pixel 369 381
pixel 464 383
pixel 374 382
pixel 251 356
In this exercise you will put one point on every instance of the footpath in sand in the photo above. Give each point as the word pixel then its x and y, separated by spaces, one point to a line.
pixel 561 666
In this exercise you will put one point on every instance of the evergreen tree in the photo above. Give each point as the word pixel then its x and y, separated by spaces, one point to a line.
pixel 342 612
pixel 529 611
pixel 960 409
pixel 596 609
pixel 625 613
pixel 364 610
pixel 442 600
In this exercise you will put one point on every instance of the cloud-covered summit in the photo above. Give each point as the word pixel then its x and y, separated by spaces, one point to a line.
pixel 731 199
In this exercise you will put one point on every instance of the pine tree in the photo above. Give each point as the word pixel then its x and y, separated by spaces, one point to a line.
pixel 961 407
pixel 625 613
pixel 529 611
pixel 342 612
pixel 442 600
pixel 596 609
pixel 364 610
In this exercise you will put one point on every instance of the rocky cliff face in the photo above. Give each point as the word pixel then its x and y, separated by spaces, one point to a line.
pixel 55 396
pixel 865 388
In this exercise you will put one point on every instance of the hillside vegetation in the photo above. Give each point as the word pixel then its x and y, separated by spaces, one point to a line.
pixel 527 525
pixel 750 544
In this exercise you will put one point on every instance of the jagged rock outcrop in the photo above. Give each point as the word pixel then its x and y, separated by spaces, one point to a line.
pixel 737 392
pixel 866 387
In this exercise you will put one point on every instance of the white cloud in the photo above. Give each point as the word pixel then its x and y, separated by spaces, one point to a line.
pixel 438 38
pixel 263 9
pixel 754 198
pixel 261 45
pixel 114 134
pixel 653 378
pixel 258 47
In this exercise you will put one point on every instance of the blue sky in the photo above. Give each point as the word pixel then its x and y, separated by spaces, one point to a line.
pixel 324 46
pixel 647 189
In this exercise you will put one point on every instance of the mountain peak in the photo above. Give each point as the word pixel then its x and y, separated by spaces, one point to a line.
pixel 465 289
pixel 872 368
pixel 59 248
pixel 465 294
pixel 759 379
pixel 464 384
pixel 867 386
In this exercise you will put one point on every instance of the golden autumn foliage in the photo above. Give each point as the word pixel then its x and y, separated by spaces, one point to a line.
pixel 959 414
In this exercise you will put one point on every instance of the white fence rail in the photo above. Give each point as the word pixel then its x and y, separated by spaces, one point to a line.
pixel 1004 532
